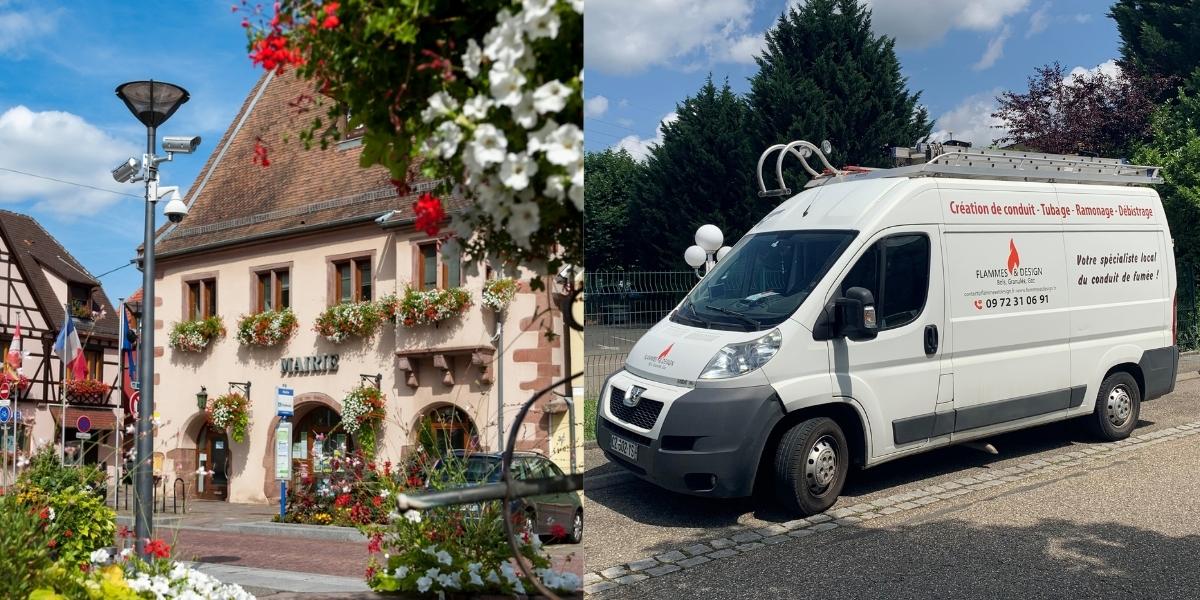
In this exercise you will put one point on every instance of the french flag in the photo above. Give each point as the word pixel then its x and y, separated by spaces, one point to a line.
pixel 70 351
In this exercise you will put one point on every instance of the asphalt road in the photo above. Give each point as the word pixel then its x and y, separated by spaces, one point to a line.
pixel 1082 532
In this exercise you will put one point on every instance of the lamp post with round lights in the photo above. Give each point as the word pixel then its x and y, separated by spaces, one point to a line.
pixel 152 103
pixel 707 251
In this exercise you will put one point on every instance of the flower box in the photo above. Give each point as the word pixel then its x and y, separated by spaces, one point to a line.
pixel 498 293
pixel 266 329
pixel 230 413
pixel 358 319
pixel 195 336
pixel 417 307
pixel 87 391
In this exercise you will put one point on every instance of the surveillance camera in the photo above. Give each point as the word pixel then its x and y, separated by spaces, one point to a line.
pixel 175 209
pixel 180 143
pixel 126 170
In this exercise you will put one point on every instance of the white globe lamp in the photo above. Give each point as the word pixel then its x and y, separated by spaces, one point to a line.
pixel 709 238
pixel 722 252
pixel 695 256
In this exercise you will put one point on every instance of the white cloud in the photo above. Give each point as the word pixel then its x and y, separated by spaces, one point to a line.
pixel 595 106
pixel 1039 20
pixel 629 36
pixel 64 146
pixel 917 24
pixel 971 121
pixel 17 28
pixel 639 147
pixel 993 52
pixel 1108 67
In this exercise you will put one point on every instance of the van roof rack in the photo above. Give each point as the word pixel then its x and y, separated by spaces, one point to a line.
pixel 942 160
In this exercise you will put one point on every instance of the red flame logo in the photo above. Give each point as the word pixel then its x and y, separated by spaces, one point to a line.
pixel 1014 259
pixel 666 352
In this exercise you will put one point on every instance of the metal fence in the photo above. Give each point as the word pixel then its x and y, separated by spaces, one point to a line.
pixel 1187 309
pixel 618 308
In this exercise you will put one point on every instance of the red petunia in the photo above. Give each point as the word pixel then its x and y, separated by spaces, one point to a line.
pixel 124 532
pixel 430 213
pixel 158 549
pixel 330 22
pixel 375 544
pixel 558 531
pixel 342 500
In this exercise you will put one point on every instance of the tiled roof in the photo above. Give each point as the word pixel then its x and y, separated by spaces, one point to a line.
pixel 34 248
pixel 233 199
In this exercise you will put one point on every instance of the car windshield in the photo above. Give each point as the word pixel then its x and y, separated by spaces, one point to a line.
pixel 763 280
pixel 475 469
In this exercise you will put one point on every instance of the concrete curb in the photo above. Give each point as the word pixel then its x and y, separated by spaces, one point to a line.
pixel 329 533
pixel 284 581
pixel 749 539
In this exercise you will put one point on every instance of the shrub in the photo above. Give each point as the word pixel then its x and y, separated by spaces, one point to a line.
pixel 194 336
pixel 337 323
pixel 25 546
pixel 266 329
pixel 230 412
pixel 47 475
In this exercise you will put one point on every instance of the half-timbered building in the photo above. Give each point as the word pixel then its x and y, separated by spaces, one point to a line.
pixel 43 286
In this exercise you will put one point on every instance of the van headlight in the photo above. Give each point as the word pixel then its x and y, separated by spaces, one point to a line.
pixel 739 359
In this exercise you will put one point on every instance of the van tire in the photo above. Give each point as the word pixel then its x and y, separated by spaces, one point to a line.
pixel 811 463
pixel 1118 405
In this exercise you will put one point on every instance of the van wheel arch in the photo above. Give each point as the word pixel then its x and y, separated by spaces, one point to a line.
pixel 843 413
pixel 1134 370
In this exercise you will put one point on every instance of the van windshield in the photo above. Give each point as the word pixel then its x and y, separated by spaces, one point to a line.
pixel 763 280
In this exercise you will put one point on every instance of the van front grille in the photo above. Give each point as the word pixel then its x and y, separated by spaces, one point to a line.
pixel 644 415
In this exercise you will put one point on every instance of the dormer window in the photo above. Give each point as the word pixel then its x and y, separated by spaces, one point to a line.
pixel 79 300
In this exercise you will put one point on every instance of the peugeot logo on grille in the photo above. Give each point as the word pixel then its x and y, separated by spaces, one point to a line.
pixel 633 397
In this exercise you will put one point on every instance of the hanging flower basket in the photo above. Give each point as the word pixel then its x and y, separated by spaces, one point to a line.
pixel 230 413
pixel 360 319
pixel 498 293
pixel 21 382
pixel 363 411
pixel 266 329
pixel 87 391
pixel 195 336
pixel 418 307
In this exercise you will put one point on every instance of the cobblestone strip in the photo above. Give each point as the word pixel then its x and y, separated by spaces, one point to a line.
pixel 749 540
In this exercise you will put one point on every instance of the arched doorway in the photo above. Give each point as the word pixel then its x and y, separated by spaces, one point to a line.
pixel 448 428
pixel 315 437
pixel 212 454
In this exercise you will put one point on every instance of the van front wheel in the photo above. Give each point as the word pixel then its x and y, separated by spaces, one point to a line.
pixel 1117 407
pixel 811 462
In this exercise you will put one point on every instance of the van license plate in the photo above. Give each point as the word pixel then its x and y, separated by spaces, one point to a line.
pixel 623 447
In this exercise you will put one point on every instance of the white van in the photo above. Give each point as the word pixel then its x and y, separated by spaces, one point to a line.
pixel 883 313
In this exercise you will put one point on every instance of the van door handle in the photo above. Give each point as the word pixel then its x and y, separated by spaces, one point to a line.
pixel 931 340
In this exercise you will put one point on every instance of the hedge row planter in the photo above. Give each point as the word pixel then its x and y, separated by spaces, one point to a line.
pixel 499 293
pixel 351 319
pixel 423 307
pixel 195 336
pixel 230 413
pixel 267 329
pixel 363 411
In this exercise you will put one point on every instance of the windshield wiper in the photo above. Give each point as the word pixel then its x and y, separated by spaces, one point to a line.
pixel 734 313
pixel 696 316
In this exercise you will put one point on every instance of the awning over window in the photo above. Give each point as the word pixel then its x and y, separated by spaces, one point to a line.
pixel 101 418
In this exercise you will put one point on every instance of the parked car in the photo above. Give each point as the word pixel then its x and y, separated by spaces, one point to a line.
pixel 542 513
pixel 880 315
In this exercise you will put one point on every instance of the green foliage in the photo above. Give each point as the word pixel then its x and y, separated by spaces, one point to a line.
pixel 1175 146
pixel 24 544
pixel 82 523
pixel 825 76
pixel 46 474
pixel 702 172
pixel 231 413
pixel 1158 38
pixel 611 183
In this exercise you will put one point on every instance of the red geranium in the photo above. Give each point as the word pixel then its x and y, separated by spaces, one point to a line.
pixel 158 549
pixel 430 213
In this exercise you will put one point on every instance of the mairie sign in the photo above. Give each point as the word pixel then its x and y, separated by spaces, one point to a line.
pixel 307 365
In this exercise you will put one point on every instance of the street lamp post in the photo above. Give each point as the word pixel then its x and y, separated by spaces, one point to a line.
pixel 707 251
pixel 152 103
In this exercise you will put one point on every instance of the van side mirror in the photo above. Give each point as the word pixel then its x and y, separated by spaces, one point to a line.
pixel 855 315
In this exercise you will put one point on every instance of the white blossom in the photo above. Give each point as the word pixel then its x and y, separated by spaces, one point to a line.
pixel 448 136
pixel 551 97
pixel 440 104
pixel 542 26
pixel 555 187
pixel 565 145
pixel 488 145
pixel 532 9
pixel 578 6
pixel 517 169
pixel 99 556
pixel 504 44
pixel 444 557
pixel 540 139
pixel 412 516
pixel 524 112
pixel 523 222
pixel 506 85
pixel 424 583
pixel 472 58
pixel 401 572
pixel 477 107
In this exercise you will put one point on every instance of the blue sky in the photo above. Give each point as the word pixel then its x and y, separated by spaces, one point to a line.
pixel 60 63
pixel 644 56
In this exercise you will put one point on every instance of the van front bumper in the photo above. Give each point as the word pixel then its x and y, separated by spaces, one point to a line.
pixel 709 440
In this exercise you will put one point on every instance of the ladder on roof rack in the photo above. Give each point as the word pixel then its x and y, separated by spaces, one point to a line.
pixel 944 160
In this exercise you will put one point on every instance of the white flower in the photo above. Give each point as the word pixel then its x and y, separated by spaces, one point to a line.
pixel 524 113
pixel 126 553
pixel 444 557
pixel 539 140
pixel 130 429
pixel 471 59
pixel 506 85
pixel 565 145
pixel 504 44
pixel 423 584
pixel 523 222
pixel 401 572
pixel 50 513
pixel 576 196
pixel 384 493
pixel 488 145
pixel 542 26
pixel 99 557
pixel 474 579
pixel 550 97
pixel 440 104
pixel 448 136
pixel 477 107
pixel 413 516
pixel 578 6
pixel 516 170
pixel 535 8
